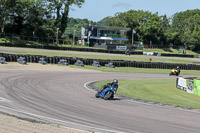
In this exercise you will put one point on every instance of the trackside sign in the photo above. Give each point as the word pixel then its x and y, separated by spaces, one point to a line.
pixel 121 47
pixel 190 85
pixel 182 82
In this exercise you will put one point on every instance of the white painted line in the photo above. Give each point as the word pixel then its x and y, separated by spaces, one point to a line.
pixel 57 120
pixel 4 100
pixel 85 85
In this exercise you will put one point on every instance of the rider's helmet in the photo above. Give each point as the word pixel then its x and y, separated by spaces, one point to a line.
pixel 177 67
pixel 115 81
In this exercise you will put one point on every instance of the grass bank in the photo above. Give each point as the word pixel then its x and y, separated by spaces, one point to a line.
pixel 156 90
pixel 137 70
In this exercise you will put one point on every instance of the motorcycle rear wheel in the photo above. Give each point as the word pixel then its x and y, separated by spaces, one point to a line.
pixel 97 95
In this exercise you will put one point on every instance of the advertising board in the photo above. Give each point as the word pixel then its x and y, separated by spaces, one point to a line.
pixel 121 47
pixel 188 85
pixel 197 87
pixel 148 53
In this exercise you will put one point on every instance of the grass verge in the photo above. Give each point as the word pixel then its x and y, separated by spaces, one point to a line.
pixel 136 70
pixel 164 92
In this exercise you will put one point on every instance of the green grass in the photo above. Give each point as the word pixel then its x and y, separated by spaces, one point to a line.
pixel 136 70
pixel 111 57
pixel 17 40
pixel 169 51
pixel 156 90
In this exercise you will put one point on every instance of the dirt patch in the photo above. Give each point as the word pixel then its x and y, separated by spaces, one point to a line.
pixel 37 66
pixel 10 124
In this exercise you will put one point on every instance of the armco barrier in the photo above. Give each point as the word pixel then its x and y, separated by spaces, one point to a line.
pixel 117 63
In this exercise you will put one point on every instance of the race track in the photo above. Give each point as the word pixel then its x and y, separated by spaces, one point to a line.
pixel 60 97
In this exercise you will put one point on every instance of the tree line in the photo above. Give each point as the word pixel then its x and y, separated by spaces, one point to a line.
pixel 180 29
pixel 43 18
pixel 39 17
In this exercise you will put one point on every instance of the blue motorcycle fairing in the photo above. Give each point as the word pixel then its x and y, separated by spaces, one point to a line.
pixel 102 94
pixel 111 88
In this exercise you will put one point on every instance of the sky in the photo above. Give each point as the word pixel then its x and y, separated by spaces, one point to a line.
pixel 96 10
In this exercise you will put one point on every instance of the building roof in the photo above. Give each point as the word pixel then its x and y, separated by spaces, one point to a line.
pixel 107 38
pixel 108 28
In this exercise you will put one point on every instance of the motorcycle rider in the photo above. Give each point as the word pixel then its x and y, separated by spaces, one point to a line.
pixel 178 69
pixel 114 82
pixel 127 52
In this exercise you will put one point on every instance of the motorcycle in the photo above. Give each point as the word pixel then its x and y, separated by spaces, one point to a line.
pixel 175 72
pixel 108 92
pixel 127 52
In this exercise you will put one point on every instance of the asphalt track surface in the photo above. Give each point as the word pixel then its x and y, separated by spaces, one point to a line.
pixel 63 97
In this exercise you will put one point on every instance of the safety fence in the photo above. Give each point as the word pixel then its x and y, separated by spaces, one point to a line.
pixel 117 63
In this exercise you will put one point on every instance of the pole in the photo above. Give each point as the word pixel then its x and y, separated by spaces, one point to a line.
pixel 57 36
pixel 89 33
pixel 33 35
pixel 132 39
pixel 74 37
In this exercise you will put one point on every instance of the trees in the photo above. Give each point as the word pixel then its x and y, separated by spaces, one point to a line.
pixel 185 26
pixel 42 17
pixel 149 27
pixel 61 8
pixel 5 10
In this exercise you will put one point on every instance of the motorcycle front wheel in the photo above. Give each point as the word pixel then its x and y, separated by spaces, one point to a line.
pixel 108 95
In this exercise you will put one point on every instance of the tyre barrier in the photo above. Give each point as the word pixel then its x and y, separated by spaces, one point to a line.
pixel 21 60
pixel 63 62
pixel 79 63
pixel 96 64
pixel 2 60
pixel 116 63
pixel 43 61
pixel 110 64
